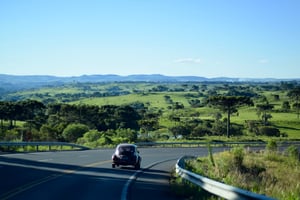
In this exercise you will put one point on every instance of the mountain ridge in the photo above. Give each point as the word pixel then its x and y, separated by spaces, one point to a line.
pixel 9 82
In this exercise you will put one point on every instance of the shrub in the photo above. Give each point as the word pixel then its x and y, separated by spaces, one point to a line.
pixel 74 131
pixel 293 152
pixel 269 131
pixel 272 146
pixel 238 157
pixel 210 154
pixel 200 130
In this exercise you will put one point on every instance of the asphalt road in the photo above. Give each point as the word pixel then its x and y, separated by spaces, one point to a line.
pixel 88 175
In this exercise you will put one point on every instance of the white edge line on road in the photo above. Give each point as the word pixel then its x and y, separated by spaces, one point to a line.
pixel 134 177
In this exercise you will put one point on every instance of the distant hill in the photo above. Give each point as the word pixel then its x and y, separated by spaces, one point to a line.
pixel 17 82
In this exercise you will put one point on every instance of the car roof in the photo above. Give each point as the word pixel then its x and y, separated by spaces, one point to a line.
pixel 125 144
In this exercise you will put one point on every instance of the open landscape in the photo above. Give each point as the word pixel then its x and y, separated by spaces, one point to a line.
pixel 218 80
pixel 104 114
pixel 163 111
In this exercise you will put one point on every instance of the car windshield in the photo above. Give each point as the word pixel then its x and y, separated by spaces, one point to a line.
pixel 126 149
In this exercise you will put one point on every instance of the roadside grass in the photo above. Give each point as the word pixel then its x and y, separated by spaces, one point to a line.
pixel 185 190
pixel 268 172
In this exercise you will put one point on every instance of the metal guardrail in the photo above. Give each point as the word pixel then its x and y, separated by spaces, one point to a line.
pixel 144 144
pixel 214 187
pixel 38 144
pixel 215 143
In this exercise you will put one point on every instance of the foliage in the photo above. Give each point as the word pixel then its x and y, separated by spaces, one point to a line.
pixel 74 131
pixel 286 106
pixel 152 110
pixel 229 105
pixel 211 157
pixel 295 95
pixel 256 174
pixel 293 152
pixel 263 109
pixel 238 157
pixel 180 130
pixel 269 131
pixel 94 138
pixel 272 146
pixel 186 190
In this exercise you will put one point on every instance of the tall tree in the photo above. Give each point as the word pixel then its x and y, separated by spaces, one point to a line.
pixel 294 94
pixel 262 109
pixel 229 105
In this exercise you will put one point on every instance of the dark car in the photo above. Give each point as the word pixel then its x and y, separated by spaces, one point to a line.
pixel 126 154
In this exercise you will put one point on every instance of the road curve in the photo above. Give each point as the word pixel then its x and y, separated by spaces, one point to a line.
pixel 88 175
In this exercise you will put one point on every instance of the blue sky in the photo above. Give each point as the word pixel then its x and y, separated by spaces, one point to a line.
pixel 210 38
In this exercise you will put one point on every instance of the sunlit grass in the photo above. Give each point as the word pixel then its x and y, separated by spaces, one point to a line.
pixel 270 173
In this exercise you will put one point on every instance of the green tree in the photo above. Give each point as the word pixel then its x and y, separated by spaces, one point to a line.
pixel 177 106
pixel 74 131
pixel 180 129
pixel 148 123
pixel 3 113
pixel 195 103
pixel 294 94
pixel 33 112
pixel 128 135
pixel 229 105
pixel 285 106
pixel 263 109
pixel 9 111
pixel 126 117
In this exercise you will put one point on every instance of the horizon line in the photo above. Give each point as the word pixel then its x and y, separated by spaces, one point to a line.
pixel 154 74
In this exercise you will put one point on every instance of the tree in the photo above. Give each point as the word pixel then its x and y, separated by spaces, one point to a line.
pixel 180 130
pixel 4 115
pixel 177 106
pixel 263 109
pixel 295 95
pixel 74 131
pixel 9 111
pixel 229 105
pixel 126 117
pixel 195 103
pixel 149 122
pixel 33 112
pixel 285 106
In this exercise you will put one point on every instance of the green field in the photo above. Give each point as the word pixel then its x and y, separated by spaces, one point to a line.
pixel 153 96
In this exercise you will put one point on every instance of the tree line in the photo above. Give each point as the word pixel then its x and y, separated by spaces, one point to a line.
pixel 87 123
pixel 48 122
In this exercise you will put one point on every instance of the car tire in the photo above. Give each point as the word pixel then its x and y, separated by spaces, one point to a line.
pixel 137 166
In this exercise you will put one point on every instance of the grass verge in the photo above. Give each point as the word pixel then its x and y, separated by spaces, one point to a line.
pixel 269 172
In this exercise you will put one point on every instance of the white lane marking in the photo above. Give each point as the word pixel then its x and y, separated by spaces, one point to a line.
pixel 128 183
pixel 45 160
pixel 132 178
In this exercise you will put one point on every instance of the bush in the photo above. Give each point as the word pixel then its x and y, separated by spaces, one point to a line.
pixel 272 146
pixel 269 131
pixel 293 152
pixel 200 131
pixel 238 157
pixel 74 131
